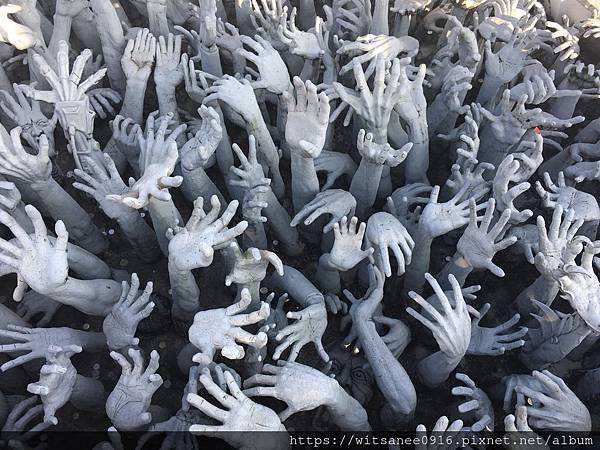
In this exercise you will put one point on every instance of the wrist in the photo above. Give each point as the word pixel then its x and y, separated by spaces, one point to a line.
pixel 128 218
pixel 380 135
pixel 337 399
pixel 176 270
pixel 137 82
pixel 210 48
pixel 164 89
pixel 325 263
pixel 461 261
pixel 423 236
pixel 452 360
pixel 419 131
pixel 41 185
pixel 254 120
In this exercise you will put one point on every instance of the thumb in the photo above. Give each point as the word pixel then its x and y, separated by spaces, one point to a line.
pixel 329 181
pixel 145 418
pixel 495 269
pixel 10 9
pixel 309 148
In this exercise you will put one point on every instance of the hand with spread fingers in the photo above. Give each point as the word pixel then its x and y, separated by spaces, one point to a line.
pixel 18 425
pixel 121 323
pixel 138 56
pixel 221 329
pixel 301 387
pixel 57 379
pixel 337 202
pixel 17 163
pixel 128 403
pixel 168 72
pixel 194 245
pixel 68 94
pixel 347 251
pixel 306 110
pixel 251 265
pixel 39 263
pixel 38 342
pixel 27 114
pixel 385 233
pixel 451 328
pixel 583 205
pixel 310 326
pixel 555 407
pixel 495 340
pixel 239 416
pixel 201 146
pixel 507 173
pixel 158 157
pixel 272 71
pixel 477 403
pixel 478 243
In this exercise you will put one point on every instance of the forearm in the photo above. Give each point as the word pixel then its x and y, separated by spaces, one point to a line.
pixel 310 70
pixel 211 61
pixel 92 341
pixel 436 114
pixel 307 14
pixel 140 236
pixel 196 183
pixel 555 164
pixel 88 394
pixel 327 276
pixel 61 32
pixel 297 286
pixel 110 31
pixel 492 149
pixel 133 101
pixel 489 88
pixel 267 152
pixel 85 264
pixel 93 297
pixel 121 161
pixel 279 220
pixel 392 380
pixel 457 266
pixel 380 24
pixel 157 18
pixel 164 216
pixel 224 152
pixel 563 107
pixel 364 185
pixel 542 289
pixel 348 414
pixel 84 27
pixel 305 183
pixel 255 236
pixel 5 83
pixel 184 292
pixel 167 102
pixel 417 161
pixel 414 275
pixel 436 368
pixel 243 11
pixel 62 206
